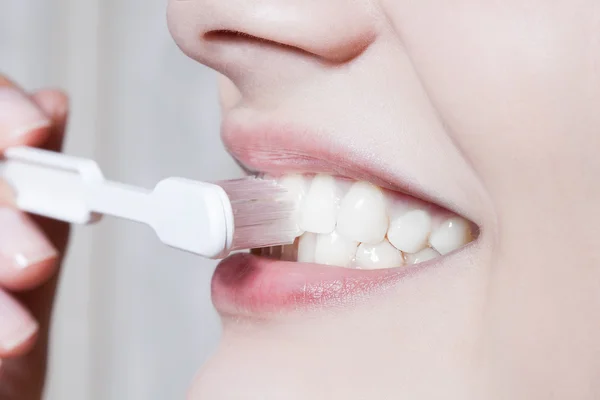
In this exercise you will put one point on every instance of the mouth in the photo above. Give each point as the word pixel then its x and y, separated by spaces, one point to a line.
pixel 357 238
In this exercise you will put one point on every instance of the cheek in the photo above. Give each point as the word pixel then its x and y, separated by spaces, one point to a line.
pixel 543 327
pixel 490 65
pixel 516 84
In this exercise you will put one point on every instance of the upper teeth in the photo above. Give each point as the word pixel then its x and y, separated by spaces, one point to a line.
pixel 362 216
pixel 297 186
pixel 450 235
pixel 318 211
pixel 360 225
pixel 410 231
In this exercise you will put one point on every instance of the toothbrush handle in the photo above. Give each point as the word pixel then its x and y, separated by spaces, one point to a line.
pixel 68 188
pixel 119 200
pixel 188 215
pixel 51 184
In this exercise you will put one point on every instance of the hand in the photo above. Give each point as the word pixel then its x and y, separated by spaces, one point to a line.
pixel 30 248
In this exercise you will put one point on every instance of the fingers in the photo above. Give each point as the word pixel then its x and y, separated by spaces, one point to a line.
pixel 55 104
pixel 22 122
pixel 28 245
pixel 18 329
pixel 27 257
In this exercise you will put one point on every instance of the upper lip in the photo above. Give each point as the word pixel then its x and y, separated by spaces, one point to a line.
pixel 281 148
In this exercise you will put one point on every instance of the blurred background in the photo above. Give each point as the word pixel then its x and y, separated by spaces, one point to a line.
pixel 134 318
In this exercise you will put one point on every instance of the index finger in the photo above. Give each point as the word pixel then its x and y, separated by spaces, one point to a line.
pixel 22 121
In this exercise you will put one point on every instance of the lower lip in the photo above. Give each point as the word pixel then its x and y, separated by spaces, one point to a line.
pixel 249 285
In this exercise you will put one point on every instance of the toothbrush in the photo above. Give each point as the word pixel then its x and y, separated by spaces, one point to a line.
pixel 208 219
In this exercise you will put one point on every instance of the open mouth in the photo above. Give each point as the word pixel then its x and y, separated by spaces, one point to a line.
pixel 355 238
pixel 355 224
pixel 369 219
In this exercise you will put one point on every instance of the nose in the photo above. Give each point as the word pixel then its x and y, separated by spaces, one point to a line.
pixel 242 34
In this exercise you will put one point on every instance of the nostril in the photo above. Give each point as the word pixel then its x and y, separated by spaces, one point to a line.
pixel 226 36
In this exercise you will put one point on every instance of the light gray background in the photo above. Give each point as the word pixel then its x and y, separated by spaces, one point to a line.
pixel 134 319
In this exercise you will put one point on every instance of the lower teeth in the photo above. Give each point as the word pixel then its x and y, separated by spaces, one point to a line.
pixel 334 250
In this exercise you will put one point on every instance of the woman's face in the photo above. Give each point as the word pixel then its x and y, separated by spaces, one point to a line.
pixel 489 109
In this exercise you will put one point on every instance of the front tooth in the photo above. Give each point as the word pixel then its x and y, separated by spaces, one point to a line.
pixel 362 215
pixel 382 255
pixel 422 256
pixel 409 232
pixel 319 211
pixel 306 247
pixel 451 235
pixel 334 249
pixel 297 186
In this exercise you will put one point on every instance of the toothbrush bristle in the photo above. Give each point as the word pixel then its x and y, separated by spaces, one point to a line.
pixel 263 213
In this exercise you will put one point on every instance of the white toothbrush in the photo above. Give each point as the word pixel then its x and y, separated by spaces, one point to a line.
pixel 203 218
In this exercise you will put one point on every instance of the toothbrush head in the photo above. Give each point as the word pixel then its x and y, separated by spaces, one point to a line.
pixel 263 213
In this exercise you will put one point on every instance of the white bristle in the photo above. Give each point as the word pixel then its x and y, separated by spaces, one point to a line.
pixel 262 212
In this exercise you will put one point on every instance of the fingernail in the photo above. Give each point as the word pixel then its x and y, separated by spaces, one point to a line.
pixel 18 114
pixel 17 325
pixel 22 244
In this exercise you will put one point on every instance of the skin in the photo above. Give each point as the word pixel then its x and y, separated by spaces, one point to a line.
pixel 500 100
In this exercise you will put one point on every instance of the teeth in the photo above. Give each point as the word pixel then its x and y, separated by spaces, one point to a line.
pixel 319 211
pixel 422 256
pixel 367 228
pixel 334 249
pixel 409 232
pixel 362 216
pixel 451 235
pixel 379 256
pixel 306 247
pixel 297 186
